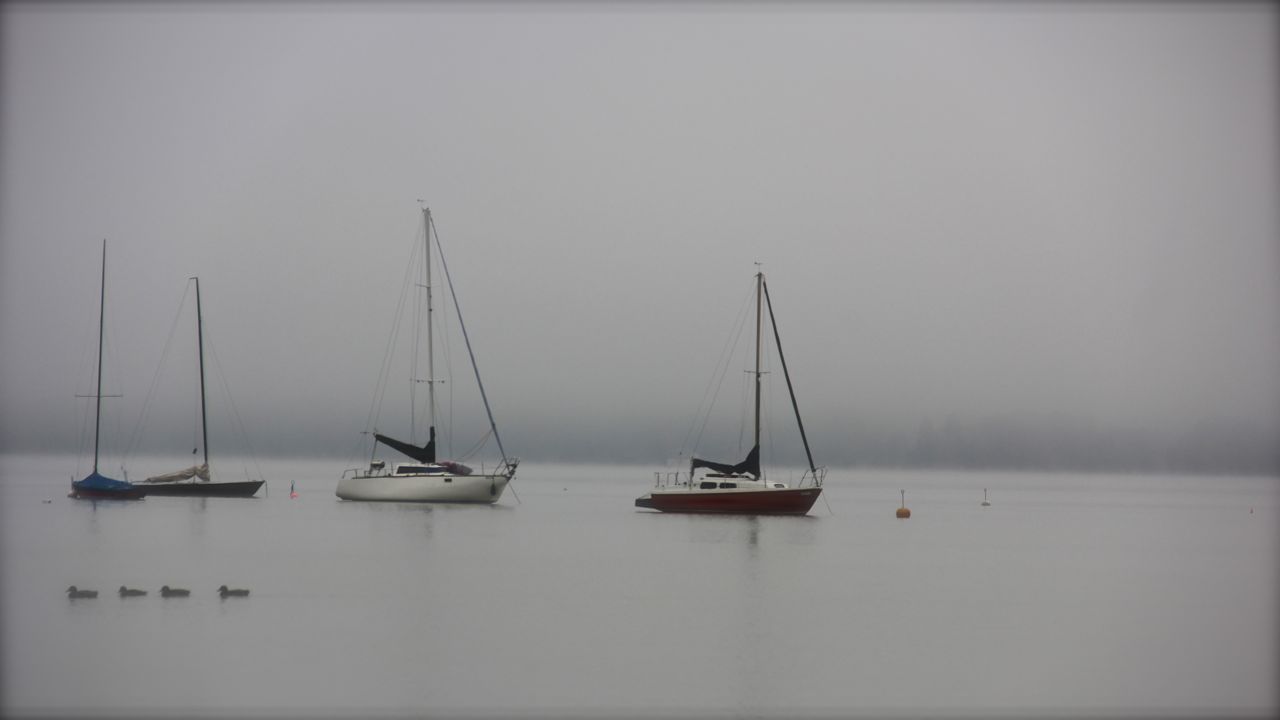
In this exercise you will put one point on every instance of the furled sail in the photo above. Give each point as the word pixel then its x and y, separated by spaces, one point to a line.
pixel 424 454
pixel 750 465
pixel 200 471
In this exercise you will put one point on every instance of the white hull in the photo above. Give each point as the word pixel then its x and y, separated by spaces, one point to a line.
pixel 424 488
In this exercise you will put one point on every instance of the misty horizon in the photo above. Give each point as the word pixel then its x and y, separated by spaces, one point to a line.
pixel 996 237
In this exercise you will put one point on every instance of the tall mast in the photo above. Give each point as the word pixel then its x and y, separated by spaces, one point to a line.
pixel 102 303
pixel 431 372
pixel 204 419
pixel 759 303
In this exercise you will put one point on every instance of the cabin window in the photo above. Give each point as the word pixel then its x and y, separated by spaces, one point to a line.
pixel 728 485
pixel 707 485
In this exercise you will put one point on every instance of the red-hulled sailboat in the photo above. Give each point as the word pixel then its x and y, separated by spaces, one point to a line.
pixel 742 488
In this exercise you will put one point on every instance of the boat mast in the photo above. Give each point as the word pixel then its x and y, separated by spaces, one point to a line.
pixel 204 418
pixel 431 372
pixel 102 303
pixel 759 303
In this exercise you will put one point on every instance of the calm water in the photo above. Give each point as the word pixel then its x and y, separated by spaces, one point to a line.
pixel 1070 595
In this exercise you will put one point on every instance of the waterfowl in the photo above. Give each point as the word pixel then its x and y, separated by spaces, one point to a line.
pixel 166 591
pixel 131 592
pixel 73 593
pixel 224 592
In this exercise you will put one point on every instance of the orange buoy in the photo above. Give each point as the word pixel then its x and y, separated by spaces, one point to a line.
pixel 903 512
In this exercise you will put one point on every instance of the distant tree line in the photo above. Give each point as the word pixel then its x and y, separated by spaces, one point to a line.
pixel 1054 442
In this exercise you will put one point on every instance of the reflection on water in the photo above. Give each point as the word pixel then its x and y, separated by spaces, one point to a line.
pixel 1069 595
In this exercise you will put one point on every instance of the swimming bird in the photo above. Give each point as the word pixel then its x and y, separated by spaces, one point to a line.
pixel 74 593
pixel 166 591
pixel 131 592
pixel 224 592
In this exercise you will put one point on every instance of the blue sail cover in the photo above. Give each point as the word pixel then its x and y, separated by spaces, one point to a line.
pixel 98 483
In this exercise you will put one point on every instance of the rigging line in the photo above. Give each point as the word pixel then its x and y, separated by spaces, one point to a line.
pixel 790 388
pixel 448 371
pixel 235 411
pixel 85 377
pixel 110 437
pixel 724 371
pixel 84 435
pixel 744 403
pixel 477 447
pixel 724 358
pixel 476 368
pixel 145 413
pixel 767 411
pixel 721 369
pixel 384 370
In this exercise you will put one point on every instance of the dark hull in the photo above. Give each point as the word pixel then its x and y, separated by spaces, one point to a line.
pixel 246 488
pixel 788 501
pixel 131 493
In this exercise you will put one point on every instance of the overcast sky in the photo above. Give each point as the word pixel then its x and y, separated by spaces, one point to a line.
pixel 967 213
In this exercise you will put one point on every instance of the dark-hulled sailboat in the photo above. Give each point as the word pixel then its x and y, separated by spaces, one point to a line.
pixel 95 485
pixel 195 481
pixel 741 488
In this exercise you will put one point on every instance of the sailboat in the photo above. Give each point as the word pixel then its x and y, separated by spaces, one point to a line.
pixel 741 488
pixel 429 478
pixel 195 480
pixel 97 485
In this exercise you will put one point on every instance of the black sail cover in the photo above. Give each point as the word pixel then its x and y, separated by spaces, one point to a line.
pixel 424 454
pixel 750 465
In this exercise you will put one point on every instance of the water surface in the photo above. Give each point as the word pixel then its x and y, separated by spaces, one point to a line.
pixel 1071 594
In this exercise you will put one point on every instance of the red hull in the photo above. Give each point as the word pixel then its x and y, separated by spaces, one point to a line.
pixel 788 501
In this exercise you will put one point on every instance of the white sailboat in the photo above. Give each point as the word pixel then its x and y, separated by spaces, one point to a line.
pixel 428 478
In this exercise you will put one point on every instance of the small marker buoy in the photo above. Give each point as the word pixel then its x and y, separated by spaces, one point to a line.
pixel 903 512
pixel 985 502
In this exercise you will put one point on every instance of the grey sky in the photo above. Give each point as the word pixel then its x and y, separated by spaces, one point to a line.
pixel 965 212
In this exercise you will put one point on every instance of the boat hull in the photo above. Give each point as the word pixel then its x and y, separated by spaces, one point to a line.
pixel 485 489
pixel 772 501
pixel 246 488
